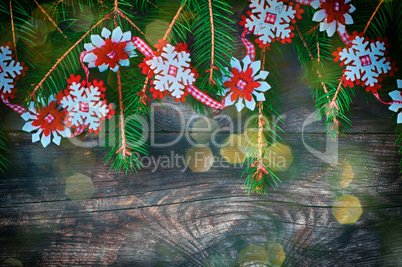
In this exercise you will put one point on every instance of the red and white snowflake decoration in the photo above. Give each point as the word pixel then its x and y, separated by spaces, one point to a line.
pixel 333 15
pixel 365 62
pixel 397 101
pixel 270 20
pixel 244 84
pixel 110 52
pixel 10 70
pixel 47 120
pixel 84 103
pixel 171 71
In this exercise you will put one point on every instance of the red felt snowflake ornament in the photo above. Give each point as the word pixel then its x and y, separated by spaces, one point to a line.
pixel 85 103
pixel 270 20
pixel 10 71
pixel 171 71
pixel 366 62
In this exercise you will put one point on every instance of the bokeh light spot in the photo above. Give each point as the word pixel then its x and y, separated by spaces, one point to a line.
pixel 79 187
pixel 278 157
pixel 276 255
pixel 253 255
pixel 347 175
pixel 202 130
pixel 199 158
pixel 347 209
pixel 230 149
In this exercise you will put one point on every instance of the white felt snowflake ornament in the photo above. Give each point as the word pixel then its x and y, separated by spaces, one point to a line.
pixel 109 52
pixel 10 70
pixel 244 83
pixel 397 101
pixel 84 103
pixel 172 71
pixel 47 120
pixel 333 15
pixel 366 62
pixel 270 20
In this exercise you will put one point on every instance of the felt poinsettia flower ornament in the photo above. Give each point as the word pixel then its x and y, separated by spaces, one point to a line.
pixel 397 101
pixel 333 15
pixel 109 52
pixel 244 83
pixel 47 120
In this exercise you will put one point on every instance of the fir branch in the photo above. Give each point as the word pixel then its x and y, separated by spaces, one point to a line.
pixel 50 19
pixel 144 98
pixel 326 98
pixel 123 149
pixel 3 148
pixel 13 29
pixel 39 85
pixel 311 56
pixel 214 43
pixel 130 21
pixel 259 175
pixel 212 66
pixel 135 138
pixel 372 16
pixel 172 23
pixel 151 3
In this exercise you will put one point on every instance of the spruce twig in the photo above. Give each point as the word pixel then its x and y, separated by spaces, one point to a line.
pixel 39 85
pixel 372 16
pixel 311 56
pixel 143 93
pixel 259 162
pixel 212 66
pixel 173 21
pixel 50 18
pixel 13 29
pixel 123 148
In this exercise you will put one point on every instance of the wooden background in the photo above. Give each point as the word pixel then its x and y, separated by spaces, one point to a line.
pixel 173 217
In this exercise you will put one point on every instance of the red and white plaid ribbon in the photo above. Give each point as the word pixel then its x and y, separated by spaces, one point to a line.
pixel 17 108
pixel 345 37
pixel 249 46
pixel 78 130
pixel 386 103
pixel 204 98
pixel 83 54
pixel 147 51
pixel 142 46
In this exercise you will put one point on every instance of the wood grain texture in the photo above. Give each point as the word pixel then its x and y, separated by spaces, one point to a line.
pixel 176 217
pixel 171 216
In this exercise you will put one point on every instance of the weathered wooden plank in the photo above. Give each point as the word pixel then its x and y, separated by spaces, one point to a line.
pixel 182 218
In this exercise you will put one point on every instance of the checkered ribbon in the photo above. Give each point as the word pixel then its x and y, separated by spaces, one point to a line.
pixel 17 108
pixel 345 37
pixel 78 130
pixel 145 49
pixel 386 103
pixel 303 2
pixel 83 65
pixel 249 46
pixel 142 46
pixel 204 98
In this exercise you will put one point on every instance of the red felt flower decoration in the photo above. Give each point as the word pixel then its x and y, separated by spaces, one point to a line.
pixel 50 119
pixel 242 84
